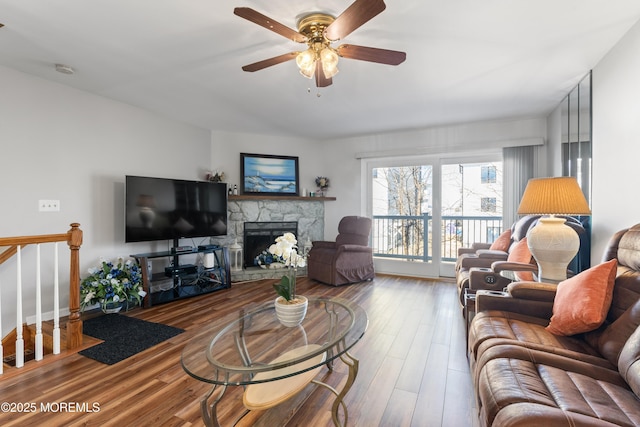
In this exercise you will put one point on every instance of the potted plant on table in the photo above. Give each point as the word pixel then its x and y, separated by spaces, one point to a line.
pixel 290 307
pixel 112 285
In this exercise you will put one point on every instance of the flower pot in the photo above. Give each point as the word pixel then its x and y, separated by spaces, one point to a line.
pixel 291 313
pixel 111 307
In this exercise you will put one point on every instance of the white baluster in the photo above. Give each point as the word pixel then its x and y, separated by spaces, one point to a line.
pixel 56 303
pixel 38 342
pixel 19 338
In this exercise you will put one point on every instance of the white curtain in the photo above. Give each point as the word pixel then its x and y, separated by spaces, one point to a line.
pixel 518 168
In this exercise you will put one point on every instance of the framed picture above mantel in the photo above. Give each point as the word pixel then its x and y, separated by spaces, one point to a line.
pixel 269 175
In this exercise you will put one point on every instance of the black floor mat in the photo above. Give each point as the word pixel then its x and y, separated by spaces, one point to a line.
pixel 123 336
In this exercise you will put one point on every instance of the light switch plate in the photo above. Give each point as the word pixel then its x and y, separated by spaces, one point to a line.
pixel 49 205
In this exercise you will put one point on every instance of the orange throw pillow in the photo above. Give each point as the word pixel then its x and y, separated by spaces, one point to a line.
pixel 521 253
pixel 582 302
pixel 503 242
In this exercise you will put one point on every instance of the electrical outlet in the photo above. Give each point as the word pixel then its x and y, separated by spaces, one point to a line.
pixel 49 205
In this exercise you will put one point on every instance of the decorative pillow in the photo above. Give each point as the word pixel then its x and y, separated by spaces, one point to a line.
pixel 521 253
pixel 503 242
pixel 582 302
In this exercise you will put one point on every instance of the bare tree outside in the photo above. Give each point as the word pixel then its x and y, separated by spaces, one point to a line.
pixel 404 192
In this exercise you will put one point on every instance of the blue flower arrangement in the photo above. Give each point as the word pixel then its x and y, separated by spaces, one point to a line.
pixel 119 282
pixel 267 258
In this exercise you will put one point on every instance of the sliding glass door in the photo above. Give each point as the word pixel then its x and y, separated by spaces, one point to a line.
pixel 425 208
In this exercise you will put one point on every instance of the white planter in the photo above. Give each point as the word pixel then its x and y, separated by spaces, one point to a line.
pixel 291 314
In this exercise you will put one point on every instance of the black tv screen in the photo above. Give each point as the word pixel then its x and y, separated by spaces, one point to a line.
pixel 163 209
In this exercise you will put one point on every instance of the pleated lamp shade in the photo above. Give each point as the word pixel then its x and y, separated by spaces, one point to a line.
pixel 552 243
pixel 553 196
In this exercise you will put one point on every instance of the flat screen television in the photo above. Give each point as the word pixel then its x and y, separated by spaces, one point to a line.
pixel 171 209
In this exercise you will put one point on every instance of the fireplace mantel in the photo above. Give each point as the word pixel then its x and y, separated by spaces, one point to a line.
pixel 296 198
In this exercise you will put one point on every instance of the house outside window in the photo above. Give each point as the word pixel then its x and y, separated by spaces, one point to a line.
pixel 488 175
pixel 488 204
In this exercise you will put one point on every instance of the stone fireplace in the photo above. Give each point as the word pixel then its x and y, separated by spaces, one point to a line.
pixel 306 212
pixel 258 236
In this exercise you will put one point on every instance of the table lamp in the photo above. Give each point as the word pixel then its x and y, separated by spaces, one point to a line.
pixel 552 243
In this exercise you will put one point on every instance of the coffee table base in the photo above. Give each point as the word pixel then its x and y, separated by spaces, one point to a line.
pixel 209 410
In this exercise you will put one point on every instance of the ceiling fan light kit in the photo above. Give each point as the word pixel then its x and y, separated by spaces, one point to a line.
pixel 313 27
pixel 318 31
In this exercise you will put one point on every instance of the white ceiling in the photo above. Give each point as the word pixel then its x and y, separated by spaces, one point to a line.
pixel 467 60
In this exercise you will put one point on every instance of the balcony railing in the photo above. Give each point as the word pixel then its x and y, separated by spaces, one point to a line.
pixel 409 237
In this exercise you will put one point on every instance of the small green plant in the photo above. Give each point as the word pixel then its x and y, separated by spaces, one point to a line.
pixel 286 288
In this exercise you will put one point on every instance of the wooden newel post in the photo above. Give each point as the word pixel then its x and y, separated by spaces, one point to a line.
pixel 74 325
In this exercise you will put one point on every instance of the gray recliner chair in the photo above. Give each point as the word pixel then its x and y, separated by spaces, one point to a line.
pixel 347 260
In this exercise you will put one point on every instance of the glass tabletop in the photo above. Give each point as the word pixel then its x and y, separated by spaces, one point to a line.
pixel 251 346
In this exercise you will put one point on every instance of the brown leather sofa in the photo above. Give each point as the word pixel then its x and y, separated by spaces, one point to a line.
pixel 525 376
pixel 347 260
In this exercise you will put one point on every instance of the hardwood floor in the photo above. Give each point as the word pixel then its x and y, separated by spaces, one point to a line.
pixel 413 368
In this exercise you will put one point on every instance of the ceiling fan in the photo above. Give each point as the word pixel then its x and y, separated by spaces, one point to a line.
pixel 319 31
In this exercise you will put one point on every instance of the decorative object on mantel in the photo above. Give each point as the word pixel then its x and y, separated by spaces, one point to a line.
pixel 290 308
pixel 113 286
pixel 268 174
pixel 215 176
pixel 323 183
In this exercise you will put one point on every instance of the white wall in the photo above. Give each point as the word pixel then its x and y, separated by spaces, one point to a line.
pixel 65 144
pixel 226 148
pixel 616 141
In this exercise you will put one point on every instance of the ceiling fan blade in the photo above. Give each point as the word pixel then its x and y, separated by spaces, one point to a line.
pixel 268 23
pixel 321 79
pixel 257 66
pixel 371 54
pixel 353 17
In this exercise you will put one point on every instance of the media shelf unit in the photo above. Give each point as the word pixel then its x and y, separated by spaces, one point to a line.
pixel 178 280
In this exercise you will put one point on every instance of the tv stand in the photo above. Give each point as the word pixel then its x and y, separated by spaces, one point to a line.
pixel 183 280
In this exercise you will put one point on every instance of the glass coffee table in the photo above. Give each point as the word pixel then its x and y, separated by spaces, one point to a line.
pixel 250 348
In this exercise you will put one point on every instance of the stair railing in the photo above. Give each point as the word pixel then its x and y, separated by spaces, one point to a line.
pixel 14 246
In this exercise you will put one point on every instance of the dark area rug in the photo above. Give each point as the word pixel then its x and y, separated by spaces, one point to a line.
pixel 123 336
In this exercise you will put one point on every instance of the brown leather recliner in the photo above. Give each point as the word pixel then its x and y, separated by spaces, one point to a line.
pixel 347 260
pixel 478 275
pixel 502 273
pixel 483 258
pixel 525 375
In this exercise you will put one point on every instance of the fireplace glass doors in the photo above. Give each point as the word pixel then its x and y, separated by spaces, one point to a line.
pixel 258 236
